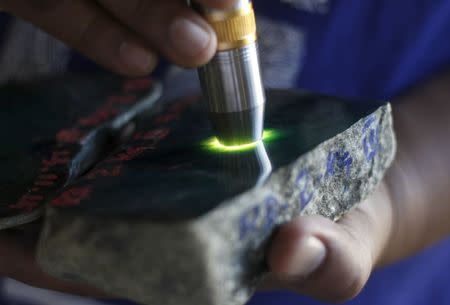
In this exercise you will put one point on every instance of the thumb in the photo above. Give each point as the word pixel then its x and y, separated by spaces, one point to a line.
pixel 332 261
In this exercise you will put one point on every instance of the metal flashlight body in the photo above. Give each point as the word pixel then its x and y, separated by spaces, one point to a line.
pixel 231 82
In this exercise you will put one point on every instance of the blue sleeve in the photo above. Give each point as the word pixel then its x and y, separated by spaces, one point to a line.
pixel 374 49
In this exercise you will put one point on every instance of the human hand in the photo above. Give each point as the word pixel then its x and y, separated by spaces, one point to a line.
pixel 332 261
pixel 125 36
pixel 409 212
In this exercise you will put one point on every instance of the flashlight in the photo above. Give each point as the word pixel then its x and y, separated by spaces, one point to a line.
pixel 231 82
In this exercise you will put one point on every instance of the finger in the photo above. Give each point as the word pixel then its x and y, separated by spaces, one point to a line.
pixel 84 26
pixel 332 261
pixel 168 26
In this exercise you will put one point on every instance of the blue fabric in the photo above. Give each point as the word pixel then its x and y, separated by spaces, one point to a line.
pixel 373 49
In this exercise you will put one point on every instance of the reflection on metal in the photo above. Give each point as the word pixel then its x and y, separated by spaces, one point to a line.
pixel 247 169
pixel 265 164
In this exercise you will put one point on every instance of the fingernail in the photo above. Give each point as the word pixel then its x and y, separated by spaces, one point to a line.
pixel 188 38
pixel 309 255
pixel 137 57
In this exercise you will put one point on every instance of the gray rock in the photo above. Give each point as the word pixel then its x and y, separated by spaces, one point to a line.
pixel 217 258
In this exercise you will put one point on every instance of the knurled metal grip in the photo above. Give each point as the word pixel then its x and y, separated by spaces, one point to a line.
pixel 235 28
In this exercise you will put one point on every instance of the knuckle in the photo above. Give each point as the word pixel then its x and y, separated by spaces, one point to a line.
pixel 143 11
pixel 143 17
pixel 362 218
pixel 148 14
pixel 358 227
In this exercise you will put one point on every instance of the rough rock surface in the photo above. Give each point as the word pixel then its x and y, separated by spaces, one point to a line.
pixel 217 258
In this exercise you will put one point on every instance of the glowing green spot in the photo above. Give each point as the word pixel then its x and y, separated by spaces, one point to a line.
pixel 213 144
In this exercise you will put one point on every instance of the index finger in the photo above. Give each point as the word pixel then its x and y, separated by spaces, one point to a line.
pixel 88 28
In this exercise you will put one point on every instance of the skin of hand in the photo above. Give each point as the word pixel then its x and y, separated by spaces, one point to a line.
pixel 126 37
pixel 409 212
